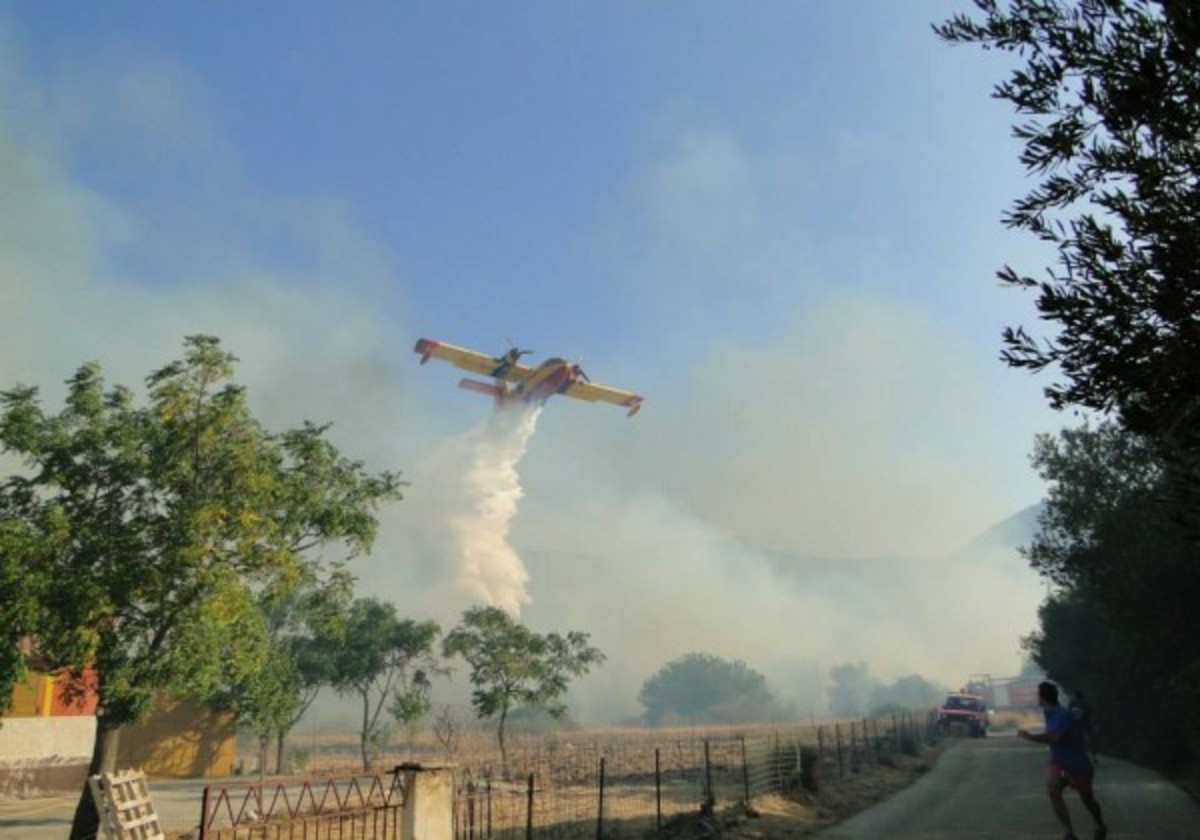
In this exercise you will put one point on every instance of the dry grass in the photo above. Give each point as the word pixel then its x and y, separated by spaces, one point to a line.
pixel 565 767
pixel 806 813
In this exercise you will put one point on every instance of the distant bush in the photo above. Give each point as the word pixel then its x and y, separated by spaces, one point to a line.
pixel 808 769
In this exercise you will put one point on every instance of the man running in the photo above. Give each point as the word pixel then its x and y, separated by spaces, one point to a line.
pixel 1069 765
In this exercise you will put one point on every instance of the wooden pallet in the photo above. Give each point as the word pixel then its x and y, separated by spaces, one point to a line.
pixel 123 802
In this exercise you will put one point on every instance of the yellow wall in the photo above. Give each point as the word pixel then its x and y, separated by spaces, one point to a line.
pixel 27 696
pixel 180 739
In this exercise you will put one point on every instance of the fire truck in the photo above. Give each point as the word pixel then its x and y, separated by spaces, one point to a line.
pixel 963 714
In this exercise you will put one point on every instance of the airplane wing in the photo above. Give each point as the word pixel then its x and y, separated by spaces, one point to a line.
pixel 472 360
pixel 603 393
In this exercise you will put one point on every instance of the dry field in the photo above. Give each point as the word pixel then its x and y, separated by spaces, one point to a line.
pixel 637 777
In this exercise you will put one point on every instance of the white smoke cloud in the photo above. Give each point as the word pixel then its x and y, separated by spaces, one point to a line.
pixel 459 510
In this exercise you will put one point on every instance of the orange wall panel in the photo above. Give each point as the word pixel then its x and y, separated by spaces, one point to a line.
pixel 74 695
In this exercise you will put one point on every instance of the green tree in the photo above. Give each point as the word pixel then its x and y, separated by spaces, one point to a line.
pixel 150 529
pixel 21 597
pixel 910 693
pixel 513 666
pixel 703 688
pixel 1121 623
pixel 1109 96
pixel 388 662
pixel 302 626
pixel 850 689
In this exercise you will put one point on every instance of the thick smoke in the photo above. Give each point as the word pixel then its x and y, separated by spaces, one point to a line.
pixel 461 505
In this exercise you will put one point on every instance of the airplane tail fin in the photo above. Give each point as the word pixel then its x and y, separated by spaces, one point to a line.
pixel 425 347
pixel 488 388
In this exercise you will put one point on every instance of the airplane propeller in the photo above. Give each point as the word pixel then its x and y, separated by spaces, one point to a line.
pixel 578 370
pixel 516 352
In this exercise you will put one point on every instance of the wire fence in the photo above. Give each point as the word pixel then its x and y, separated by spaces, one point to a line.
pixel 633 785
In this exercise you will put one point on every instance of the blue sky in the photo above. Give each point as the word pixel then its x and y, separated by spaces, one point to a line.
pixel 779 221
pixel 497 151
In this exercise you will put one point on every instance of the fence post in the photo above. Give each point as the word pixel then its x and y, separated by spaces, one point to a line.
pixel 489 806
pixel 820 751
pixel 837 739
pixel 204 814
pixel 709 799
pixel 853 747
pixel 799 763
pixel 745 773
pixel 657 791
pixel 529 810
pixel 600 808
pixel 777 757
pixel 471 809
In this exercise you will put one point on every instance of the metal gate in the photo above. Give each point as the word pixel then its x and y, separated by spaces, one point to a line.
pixel 363 807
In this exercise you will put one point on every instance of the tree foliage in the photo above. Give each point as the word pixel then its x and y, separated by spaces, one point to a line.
pixel 1109 96
pixel 703 688
pixel 1121 624
pixel 150 530
pixel 912 692
pixel 301 625
pixel 850 690
pixel 21 598
pixel 512 666
pixel 388 662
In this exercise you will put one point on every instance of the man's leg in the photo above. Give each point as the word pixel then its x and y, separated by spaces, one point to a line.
pixel 1089 802
pixel 1056 783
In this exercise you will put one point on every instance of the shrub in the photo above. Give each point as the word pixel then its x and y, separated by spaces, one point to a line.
pixel 808 769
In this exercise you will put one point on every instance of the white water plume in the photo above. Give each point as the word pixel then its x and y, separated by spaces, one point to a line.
pixel 464 498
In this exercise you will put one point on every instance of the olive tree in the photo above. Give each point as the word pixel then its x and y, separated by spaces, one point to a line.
pixel 1108 95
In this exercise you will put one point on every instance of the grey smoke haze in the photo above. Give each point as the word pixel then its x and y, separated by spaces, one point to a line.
pixel 859 426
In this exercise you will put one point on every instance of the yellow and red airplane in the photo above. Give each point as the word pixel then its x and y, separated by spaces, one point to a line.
pixel 518 382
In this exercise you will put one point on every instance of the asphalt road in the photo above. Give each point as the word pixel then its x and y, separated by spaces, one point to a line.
pixel 988 788
pixel 993 788
pixel 49 818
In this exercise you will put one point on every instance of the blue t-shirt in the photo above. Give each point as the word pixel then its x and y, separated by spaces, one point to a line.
pixel 1068 752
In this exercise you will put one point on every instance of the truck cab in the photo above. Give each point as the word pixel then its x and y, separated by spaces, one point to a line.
pixel 963 714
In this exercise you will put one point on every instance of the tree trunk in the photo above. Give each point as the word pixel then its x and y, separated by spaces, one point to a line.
pixel 263 741
pixel 365 737
pixel 500 736
pixel 86 823
pixel 279 751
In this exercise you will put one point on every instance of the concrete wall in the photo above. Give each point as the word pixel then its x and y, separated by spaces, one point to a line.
pixel 179 739
pixel 40 755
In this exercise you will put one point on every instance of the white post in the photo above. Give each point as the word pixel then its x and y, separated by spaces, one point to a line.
pixel 428 801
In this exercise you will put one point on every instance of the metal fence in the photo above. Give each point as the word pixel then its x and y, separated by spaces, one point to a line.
pixel 360 806
pixel 635 786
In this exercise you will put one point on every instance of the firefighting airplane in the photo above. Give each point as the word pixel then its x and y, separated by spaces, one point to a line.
pixel 515 381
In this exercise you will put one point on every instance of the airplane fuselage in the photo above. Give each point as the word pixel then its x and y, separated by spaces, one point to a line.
pixel 551 377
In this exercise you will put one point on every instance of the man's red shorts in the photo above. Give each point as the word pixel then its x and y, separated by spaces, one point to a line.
pixel 1058 778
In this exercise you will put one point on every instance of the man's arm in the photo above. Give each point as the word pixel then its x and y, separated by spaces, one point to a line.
pixel 1039 737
